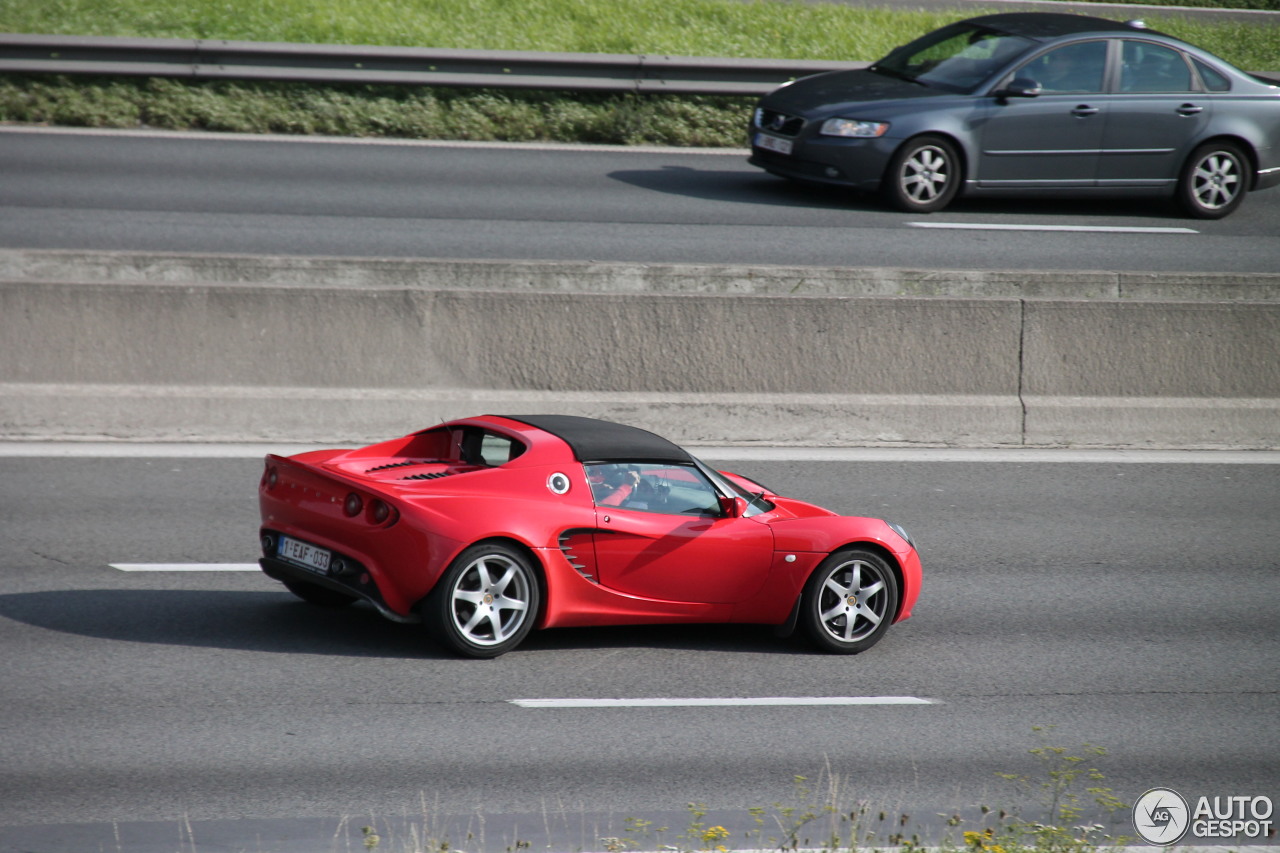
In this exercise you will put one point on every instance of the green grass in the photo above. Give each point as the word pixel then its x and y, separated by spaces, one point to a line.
pixel 742 28
pixel 748 28
pixel 825 814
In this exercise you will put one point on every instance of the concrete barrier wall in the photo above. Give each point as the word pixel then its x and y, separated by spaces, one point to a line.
pixel 597 277
pixel 292 362
pixel 1151 373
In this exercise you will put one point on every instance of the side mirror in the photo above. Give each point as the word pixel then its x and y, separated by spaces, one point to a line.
pixel 732 507
pixel 1020 87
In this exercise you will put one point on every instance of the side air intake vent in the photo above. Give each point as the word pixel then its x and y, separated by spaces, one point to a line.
pixel 569 548
pixel 433 476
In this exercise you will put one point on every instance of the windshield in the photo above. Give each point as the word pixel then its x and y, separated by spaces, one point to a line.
pixel 957 58
pixel 756 503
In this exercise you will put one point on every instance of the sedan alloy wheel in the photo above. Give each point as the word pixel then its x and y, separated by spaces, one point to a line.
pixel 923 175
pixel 1213 181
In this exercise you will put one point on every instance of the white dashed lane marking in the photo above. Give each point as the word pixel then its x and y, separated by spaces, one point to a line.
pixel 1096 229
pixel 722 703
pixel 186 567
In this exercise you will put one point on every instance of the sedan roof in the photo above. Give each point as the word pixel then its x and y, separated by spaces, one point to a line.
pixel 595 440
pixel 1047 25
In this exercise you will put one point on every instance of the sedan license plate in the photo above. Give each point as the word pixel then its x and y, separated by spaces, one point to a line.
pixel 316 559
pixel 773 143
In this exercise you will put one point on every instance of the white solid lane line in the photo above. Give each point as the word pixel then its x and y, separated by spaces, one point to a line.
pixel 721 703
pixel 1097 229
pixel 216 136
pixel 147 450
pixel 185 567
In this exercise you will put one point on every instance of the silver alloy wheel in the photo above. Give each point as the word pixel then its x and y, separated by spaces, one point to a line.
pixel 490 599
pixel 1216 180
pixel 854 600
pixel 925 174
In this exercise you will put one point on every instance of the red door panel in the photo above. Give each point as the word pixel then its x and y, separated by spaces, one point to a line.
pixel 681 557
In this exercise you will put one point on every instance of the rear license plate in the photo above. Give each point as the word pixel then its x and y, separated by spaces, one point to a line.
pixel 316 559
pixel 773 143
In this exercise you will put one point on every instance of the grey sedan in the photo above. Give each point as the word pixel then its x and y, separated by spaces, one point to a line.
pixel 1030 104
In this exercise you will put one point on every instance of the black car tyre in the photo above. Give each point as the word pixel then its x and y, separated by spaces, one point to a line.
pixel 923 175
pixel 849 601
pixel 319 595
pixel 486 601
pixel 1214 180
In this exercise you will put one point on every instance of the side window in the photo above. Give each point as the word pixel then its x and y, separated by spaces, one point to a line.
pixel 1074 68
pixel 652 487
pixel 1147 67
pixel 1213 79
pixel 474 446
pixel 498 449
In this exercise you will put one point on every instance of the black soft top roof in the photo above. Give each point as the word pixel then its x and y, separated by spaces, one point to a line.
pixel 594 440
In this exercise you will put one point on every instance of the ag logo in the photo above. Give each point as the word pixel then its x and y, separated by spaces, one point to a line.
pixel 1161 816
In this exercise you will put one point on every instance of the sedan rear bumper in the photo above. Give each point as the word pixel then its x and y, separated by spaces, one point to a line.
pixel 1267 178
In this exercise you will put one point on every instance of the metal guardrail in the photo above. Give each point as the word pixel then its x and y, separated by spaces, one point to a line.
pixel 201 59
pixel 318 63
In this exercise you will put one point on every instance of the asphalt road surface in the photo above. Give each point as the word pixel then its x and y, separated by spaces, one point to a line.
pixel 1128 604
pixel 209 193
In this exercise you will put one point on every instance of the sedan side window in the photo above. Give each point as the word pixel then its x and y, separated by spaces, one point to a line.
pixel 1074 68
pixel 1213 79
pixel 1147 67
pixel 652 487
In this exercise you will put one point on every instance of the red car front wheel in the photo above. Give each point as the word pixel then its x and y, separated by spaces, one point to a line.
pixel 849 601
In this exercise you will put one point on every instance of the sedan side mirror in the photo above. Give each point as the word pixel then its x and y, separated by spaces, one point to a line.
pixel 1020 87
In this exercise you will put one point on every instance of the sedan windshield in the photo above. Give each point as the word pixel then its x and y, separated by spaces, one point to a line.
pixel 957 58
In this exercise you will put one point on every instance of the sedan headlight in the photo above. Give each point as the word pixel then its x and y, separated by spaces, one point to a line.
pixel 854 128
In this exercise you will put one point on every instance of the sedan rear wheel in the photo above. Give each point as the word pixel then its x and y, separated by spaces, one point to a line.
pixel 485 603
pixel 1214 181
pixel 923 175
pixel 849 601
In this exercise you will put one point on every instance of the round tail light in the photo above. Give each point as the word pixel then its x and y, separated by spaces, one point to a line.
pixel 353 505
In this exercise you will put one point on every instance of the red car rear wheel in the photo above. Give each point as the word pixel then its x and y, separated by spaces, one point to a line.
pixel 485 603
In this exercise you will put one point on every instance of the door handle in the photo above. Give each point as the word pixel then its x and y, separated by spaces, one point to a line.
pixel 1084 111
pixel 1190 109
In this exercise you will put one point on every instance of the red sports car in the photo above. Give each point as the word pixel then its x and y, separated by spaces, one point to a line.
pixel 485 528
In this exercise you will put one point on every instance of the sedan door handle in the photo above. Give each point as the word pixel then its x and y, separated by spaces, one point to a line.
pixel 1084 111
pixel 1190 109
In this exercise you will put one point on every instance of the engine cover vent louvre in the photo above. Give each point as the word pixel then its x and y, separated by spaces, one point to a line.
pixel 391 465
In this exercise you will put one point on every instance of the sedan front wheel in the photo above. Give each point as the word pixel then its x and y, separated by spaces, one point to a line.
pixel 923 175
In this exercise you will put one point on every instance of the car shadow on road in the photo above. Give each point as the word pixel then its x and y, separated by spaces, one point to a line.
pixel 269 621
pixel 739 187
pixel 744 639
pixel 265 621
pixel 735 185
